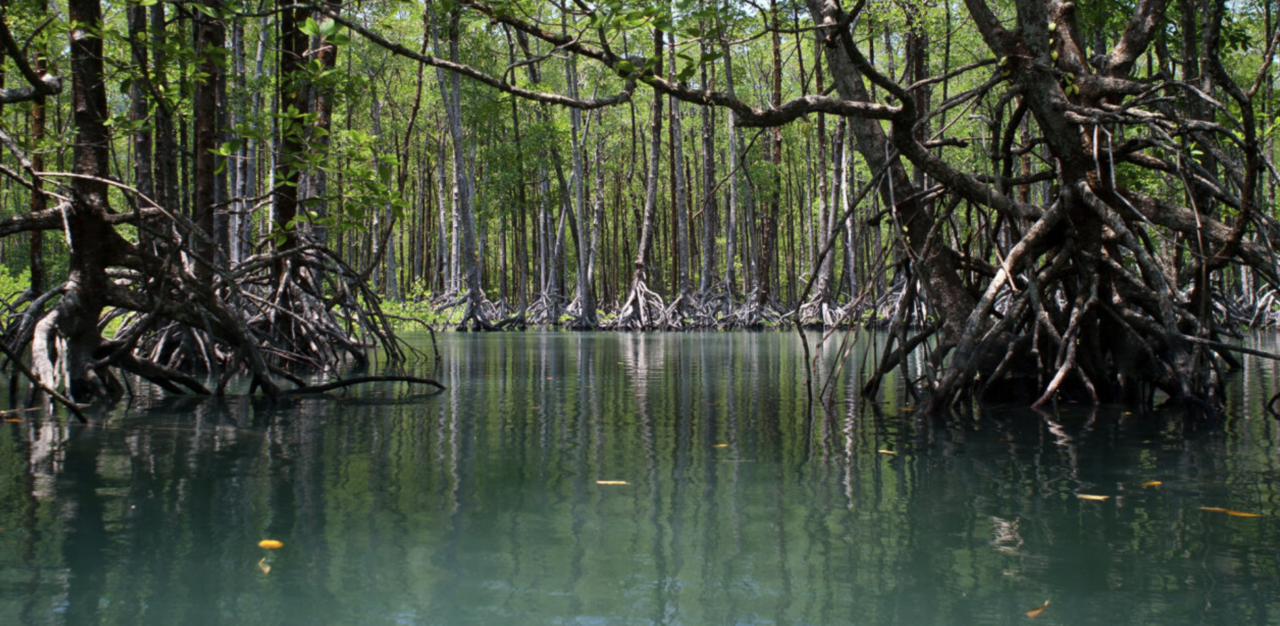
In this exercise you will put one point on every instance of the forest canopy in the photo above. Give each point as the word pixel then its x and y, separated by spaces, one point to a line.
pixel 1048 199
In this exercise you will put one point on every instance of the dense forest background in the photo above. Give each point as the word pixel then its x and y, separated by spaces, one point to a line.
pixel 971 175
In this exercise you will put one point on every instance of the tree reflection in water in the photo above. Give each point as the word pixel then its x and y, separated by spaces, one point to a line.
pixel 742 505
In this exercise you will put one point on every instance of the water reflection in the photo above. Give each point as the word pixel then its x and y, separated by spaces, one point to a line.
pixel 743 503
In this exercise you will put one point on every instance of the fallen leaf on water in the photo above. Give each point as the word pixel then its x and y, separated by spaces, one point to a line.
pixel 611 482
pixel 271 544
pixel 886 451
pixel 548 378
pixel 1086 496
pixel 1034 613
pixel 1240 513
pixel 1218 509
pixel 13 420
pixel 721 445
pixel 907 409
pixel 264 566
pixel 1152 483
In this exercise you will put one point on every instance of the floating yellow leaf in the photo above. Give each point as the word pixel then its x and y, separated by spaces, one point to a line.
pixel 271 544
pixel 1034 613
pixel 13 420
pixel 907 409
pixel 1241 513
pixel 1152 483
pixel 611 482
pixel 886 451
pixel 1086 496
pixel 264 566
pixel 1218 509
pixel 721 445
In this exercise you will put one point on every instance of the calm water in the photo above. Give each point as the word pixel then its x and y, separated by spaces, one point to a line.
pixel 741 506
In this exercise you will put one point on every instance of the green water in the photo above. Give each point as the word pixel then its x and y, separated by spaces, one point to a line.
pixel 741 505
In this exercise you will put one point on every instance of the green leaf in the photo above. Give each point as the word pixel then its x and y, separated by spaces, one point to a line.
pixel 329 28
pixel 310 28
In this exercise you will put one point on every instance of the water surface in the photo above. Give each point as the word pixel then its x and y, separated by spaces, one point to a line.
pixel 743 503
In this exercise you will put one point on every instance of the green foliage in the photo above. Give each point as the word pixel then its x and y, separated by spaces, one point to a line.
pixel 11 285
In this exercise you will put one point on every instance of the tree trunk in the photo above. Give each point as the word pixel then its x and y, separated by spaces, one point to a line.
pixel 292 107
pixel 92 240
pixel 166 145
pixel 679 194
pixel 209 42
pixel 318 188
pixel 709 224
pixel 466 253
pixel 39 201
pixel 586 299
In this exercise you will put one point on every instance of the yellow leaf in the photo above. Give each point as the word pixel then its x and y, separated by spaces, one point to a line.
pixel 1218 509
pixel 611 482
pixel 1241 513
pixel 264 566
pixel 886 451
pixel 721 445
pixel 1086 496
pixel 1152 483
pixel 907 409
pixel 13 420
pixel 271 544
pixel 1034 613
